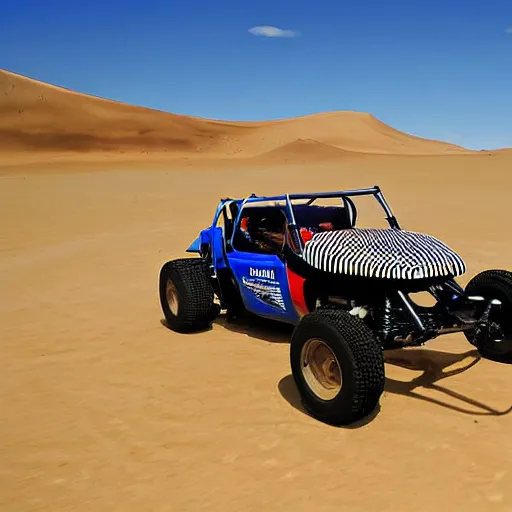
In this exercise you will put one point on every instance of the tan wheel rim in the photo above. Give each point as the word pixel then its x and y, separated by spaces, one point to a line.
pixel 172 297
pixel 321 369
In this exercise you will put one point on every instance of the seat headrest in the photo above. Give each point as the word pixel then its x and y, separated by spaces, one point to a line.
pixel 312 216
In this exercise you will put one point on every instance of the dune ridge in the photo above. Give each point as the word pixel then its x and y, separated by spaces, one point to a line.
pixel 36 116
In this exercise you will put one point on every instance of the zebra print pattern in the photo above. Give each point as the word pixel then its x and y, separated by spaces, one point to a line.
pixel 382 253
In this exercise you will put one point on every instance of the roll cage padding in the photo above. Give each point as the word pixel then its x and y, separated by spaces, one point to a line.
pixel 229 223
pixel 351 210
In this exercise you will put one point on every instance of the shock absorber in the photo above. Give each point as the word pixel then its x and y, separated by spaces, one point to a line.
pixel 386 320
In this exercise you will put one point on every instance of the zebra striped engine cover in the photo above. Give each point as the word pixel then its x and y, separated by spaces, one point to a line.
pixel 382 253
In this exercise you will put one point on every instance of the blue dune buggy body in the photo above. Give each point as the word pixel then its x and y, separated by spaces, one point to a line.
pixel 261 278
pixel 267 285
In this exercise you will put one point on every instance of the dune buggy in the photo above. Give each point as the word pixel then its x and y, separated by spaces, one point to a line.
pixel 348 291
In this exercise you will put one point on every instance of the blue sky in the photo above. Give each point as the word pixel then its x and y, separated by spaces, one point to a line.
pixel 438 69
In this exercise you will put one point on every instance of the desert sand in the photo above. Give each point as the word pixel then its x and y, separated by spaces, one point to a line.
pixel 103 408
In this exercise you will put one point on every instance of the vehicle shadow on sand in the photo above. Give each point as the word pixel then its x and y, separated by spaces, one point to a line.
pixel 434 365
pixel 264 329
pixel 437 365
pixel 259 328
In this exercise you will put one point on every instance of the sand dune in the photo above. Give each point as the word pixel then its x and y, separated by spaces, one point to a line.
pixel 36 116
pixel 350 131
pixel 305 151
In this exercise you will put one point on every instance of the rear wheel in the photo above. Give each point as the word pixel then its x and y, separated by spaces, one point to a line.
pixel 186 295
pixel 494 284
pixel 337 365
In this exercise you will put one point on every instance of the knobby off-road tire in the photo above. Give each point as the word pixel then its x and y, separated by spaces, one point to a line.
pixel 186 295
pixel 358 358
pixel 495 284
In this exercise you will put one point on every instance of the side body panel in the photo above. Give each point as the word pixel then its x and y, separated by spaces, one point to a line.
pixel 267 286
pixel 263 283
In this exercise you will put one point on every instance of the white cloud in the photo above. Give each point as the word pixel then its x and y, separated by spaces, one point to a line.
pixel 508 30
pixel 270 31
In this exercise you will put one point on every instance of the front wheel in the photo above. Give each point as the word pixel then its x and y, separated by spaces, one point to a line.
pixel 186 295
pixel 337 365
pixel 494 284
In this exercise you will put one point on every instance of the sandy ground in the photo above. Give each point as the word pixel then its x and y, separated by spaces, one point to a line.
pixel 105 409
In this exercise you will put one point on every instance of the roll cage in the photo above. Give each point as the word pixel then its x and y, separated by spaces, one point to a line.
pixel 236 208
